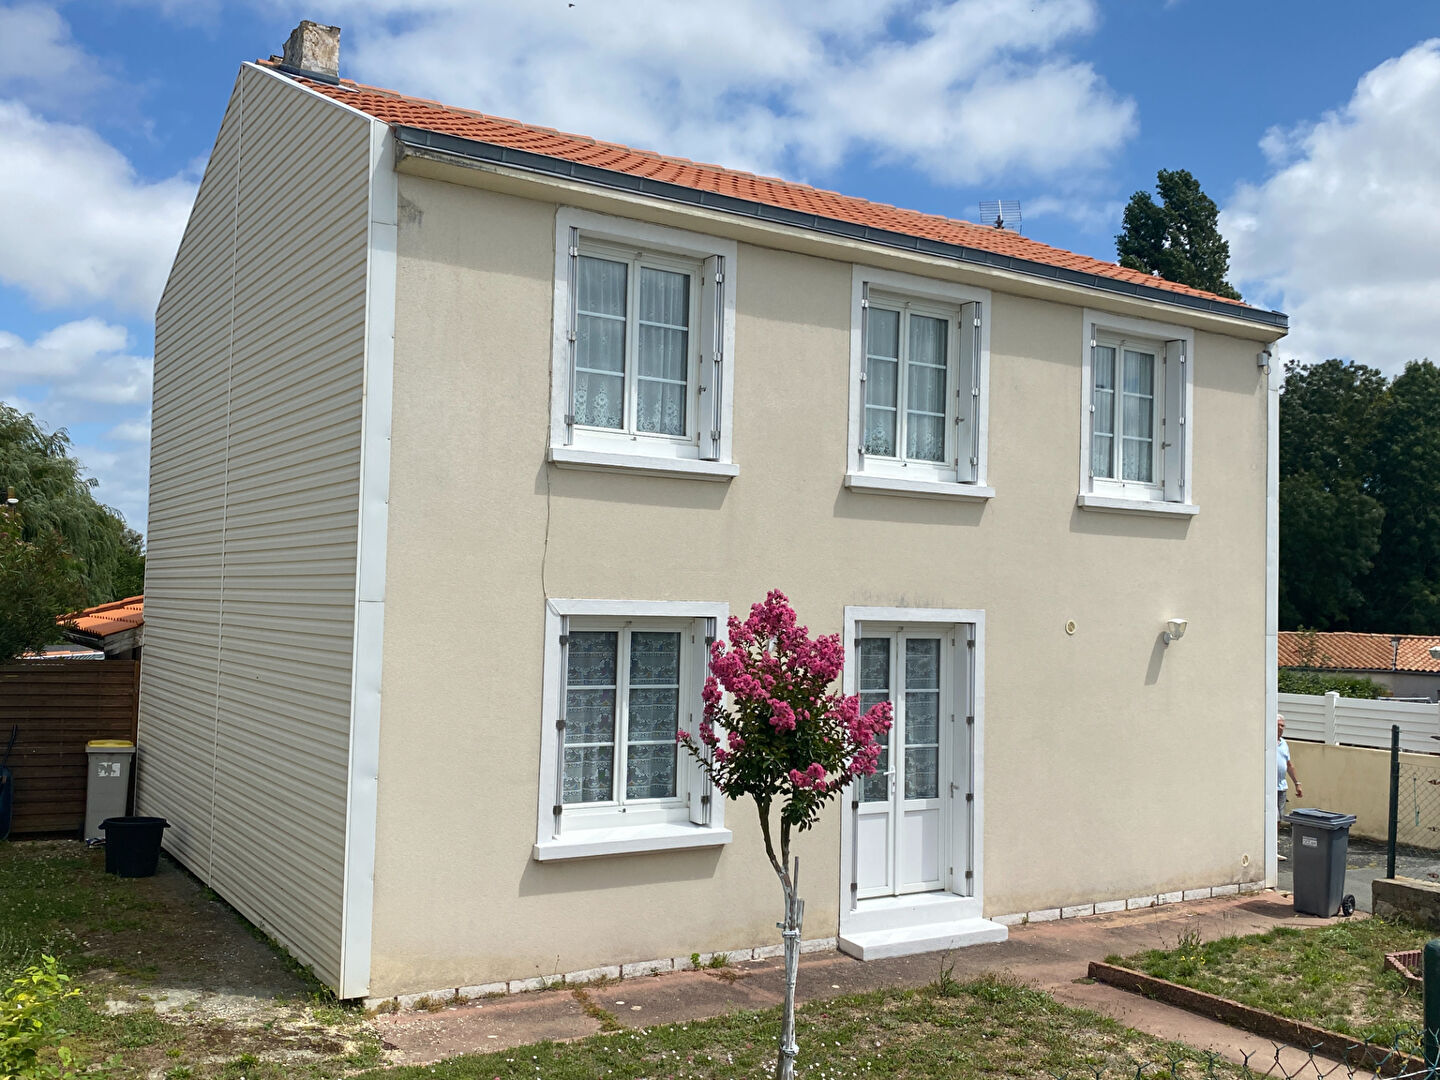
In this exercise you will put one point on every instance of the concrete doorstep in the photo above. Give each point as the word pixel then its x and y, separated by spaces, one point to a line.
pixel 1051 956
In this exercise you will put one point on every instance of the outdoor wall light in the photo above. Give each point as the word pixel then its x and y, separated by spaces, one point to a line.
pixel 1175 630
pixel 11 499
pixel 1435 652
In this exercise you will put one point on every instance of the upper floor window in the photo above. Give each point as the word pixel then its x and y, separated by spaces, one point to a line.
pixel 919 386
pixel 644 326
pixel 1137 378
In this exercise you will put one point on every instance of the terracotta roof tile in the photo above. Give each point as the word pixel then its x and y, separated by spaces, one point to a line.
pixel 1341 651
pixel 394 108
pixel 110 618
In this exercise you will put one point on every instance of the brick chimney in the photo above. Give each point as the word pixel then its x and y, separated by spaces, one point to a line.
pixel 314 47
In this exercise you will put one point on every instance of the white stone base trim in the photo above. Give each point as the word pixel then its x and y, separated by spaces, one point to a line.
pixel 613 972
pixel 1134 903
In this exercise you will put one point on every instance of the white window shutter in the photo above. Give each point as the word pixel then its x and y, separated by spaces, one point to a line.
pixel 864 363
pixel 1089 418
pixel 557 810
pixel 1175 421
pixel 701 795
pixel 571 330
pixel 967 452
pixel 712 357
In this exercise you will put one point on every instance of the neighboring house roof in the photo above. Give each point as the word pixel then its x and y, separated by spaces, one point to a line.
pixel 432 116
pixel 1339 651
pixel 106 619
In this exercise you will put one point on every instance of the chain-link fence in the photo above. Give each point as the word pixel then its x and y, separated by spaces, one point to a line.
pixel 1402 1059
pixel 1414 832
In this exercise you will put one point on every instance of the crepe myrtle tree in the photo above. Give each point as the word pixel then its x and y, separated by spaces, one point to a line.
pixel 784 739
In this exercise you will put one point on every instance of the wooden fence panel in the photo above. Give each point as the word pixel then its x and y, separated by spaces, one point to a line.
pixel 60 705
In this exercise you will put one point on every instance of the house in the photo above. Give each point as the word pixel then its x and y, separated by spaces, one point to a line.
pixel 115 630
pixel 424 374
pixel 1402 663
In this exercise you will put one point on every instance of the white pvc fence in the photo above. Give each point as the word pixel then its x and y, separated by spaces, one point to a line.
pixel 1333 719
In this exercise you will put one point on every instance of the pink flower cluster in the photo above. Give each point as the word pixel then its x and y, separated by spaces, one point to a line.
pixel 813 777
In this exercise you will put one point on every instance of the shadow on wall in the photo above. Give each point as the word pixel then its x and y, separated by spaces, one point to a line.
pixel 870 506
pixel 618 872
pixel 1141 526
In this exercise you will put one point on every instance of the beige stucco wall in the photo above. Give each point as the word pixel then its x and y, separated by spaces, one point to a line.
pixel 1113 766
pixel 1356 780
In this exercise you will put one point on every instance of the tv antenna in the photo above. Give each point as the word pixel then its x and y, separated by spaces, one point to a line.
pixel 1000 214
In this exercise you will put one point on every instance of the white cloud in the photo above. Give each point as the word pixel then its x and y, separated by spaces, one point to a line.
pixel 40 60
pixel 1342 235
pixel 77 224
pixel 963 91
pixel 82 376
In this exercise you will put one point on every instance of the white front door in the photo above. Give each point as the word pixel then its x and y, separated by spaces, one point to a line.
pixel 910 816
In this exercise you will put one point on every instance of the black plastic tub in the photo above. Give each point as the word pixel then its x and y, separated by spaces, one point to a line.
pixel 132 845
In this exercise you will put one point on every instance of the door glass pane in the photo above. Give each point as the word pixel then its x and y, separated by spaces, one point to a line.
pixel 925 389
pixel 1102 444
pixel 590 687
pixel 663 361
pixel 882 382
pixel 922 718
pixel 599 393
pixel 654 714
pixel 875 688
pixel 1138 417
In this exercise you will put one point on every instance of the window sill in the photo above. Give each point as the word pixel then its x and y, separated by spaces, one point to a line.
pixel 1115 504
pixel 918 489
pixel 589 843
pixel 568 457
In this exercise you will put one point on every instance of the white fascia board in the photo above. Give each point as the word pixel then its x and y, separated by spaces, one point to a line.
pixel 363 786
pixel 1274 379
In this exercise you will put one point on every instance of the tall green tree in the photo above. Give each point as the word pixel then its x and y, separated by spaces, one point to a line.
pixel 55 498
pixel 1330 517
pixel 1177 238
pixel 1404 583
pixel 39 580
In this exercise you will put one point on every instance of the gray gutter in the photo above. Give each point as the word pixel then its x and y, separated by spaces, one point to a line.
pixel 473 150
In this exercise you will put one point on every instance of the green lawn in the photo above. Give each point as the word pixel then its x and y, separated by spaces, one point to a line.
pixel 1334 977
pixel 147 955
pixel 985 1028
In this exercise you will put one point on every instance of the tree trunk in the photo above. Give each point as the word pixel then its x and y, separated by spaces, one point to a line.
pixel 790 931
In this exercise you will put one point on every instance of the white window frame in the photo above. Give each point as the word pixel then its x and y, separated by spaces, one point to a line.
pixel 962 475
pixel 1172 491
pixel 705 452
pixel 696 816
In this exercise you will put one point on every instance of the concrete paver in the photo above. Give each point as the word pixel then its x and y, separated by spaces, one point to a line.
pixel 1052 956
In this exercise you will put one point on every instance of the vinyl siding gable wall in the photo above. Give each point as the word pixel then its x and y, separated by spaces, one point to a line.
pixel 256 458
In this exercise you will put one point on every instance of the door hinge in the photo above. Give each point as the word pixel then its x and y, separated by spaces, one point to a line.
pixel 574 252
pixel 556 809
pixel 854 804
pixel 970 719
pixel 565 638
pixel 969 874
pixel 969 796
pixel 704 800
pixel 560 724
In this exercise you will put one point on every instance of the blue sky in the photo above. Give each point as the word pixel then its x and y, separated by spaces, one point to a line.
pixel 1312 125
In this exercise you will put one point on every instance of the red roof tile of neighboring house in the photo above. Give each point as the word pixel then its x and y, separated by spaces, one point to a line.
pixel 398 109
pixel 109 618
pixel 1359 652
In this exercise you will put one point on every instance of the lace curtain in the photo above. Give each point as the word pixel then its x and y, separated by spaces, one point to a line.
pixel 592 693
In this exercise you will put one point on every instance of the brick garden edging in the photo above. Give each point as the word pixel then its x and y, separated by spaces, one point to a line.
pixel 1303 1036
